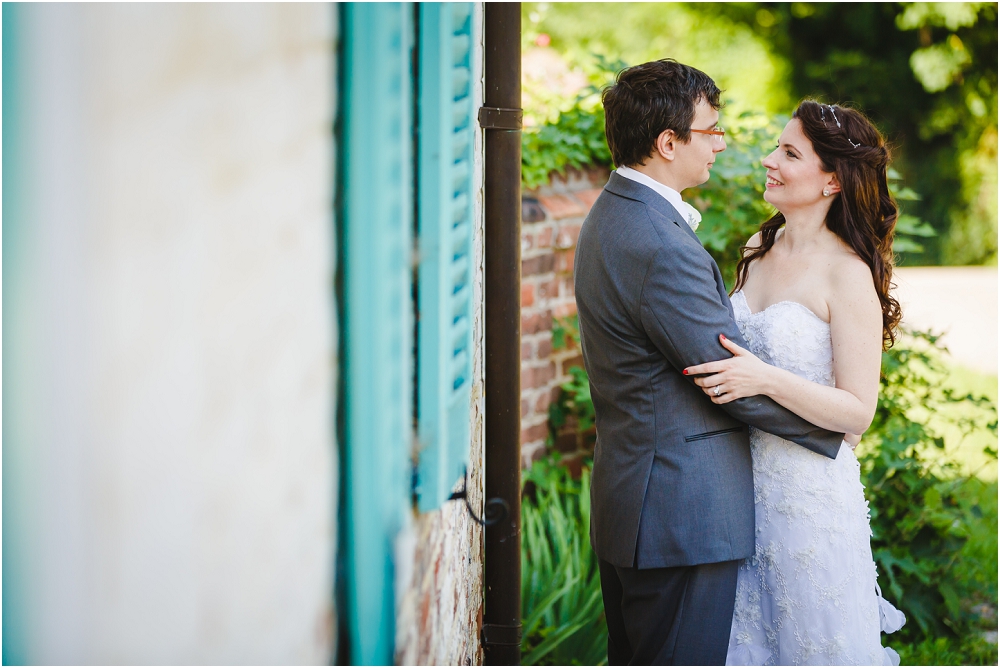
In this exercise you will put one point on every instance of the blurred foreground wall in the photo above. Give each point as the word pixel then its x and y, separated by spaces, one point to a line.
pixel 169 342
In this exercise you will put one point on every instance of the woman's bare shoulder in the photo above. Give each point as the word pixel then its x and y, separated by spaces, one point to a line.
pixel 849 281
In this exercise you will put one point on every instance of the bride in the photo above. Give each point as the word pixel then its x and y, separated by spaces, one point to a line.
pixel 812 301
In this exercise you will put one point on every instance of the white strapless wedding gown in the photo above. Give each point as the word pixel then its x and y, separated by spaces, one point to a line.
pixel 809 595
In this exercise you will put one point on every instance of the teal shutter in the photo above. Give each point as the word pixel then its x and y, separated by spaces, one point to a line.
pixel 377 228
pixel 445 197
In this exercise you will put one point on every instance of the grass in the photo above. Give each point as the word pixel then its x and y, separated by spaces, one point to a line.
pixel 970 651
pixel 968 450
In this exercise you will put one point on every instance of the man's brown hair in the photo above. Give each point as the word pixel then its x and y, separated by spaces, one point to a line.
pixel 647 99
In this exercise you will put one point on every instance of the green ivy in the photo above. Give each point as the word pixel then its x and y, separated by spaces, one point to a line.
pixel 576 139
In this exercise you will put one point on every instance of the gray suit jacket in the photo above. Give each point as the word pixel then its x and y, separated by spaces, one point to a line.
pixel 672 482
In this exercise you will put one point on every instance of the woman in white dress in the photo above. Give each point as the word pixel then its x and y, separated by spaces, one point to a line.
pixel 812 301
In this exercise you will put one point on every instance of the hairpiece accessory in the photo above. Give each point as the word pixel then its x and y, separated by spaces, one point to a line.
pixel 834 114
pixel 822 115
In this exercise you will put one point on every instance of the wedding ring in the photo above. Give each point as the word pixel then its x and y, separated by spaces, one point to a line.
pixel 716 391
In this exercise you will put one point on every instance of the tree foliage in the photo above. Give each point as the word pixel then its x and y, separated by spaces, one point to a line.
pixel 924 72
pixel 927 74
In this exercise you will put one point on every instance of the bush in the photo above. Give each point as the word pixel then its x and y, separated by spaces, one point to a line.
pixel 934 531
pixel 927 520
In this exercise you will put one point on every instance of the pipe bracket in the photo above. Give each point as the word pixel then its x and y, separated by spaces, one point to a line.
pixel 499 118
pixel 501 634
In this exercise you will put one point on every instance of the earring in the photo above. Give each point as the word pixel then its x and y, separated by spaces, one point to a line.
pixel 826 193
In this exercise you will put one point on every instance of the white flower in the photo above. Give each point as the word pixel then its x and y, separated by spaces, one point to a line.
pixel 691 215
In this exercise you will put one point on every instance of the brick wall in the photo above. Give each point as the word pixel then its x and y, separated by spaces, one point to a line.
pixel 551 217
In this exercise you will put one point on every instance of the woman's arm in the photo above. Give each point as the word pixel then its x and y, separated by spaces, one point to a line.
pixel 856 334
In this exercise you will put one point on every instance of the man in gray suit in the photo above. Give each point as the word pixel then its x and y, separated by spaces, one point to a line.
pixel 672 491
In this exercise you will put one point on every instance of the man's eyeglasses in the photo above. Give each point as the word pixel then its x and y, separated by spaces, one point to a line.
pixel 718 132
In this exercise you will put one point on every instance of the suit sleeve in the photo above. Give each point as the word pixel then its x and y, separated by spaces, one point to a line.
pixel 683 314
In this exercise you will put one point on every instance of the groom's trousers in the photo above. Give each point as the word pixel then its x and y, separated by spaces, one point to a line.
pixel 669 616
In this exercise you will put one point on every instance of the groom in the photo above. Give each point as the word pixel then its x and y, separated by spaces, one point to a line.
pixel 672 491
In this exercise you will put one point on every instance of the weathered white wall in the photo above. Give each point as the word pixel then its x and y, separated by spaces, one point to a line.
pixel 175 378
pixel 439 556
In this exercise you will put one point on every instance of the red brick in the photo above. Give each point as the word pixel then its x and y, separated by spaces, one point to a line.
pixel 563 310
pixel 544 238
pixel 548 290
pixel 536 433
pixel 532 454
pixel 566 441
pixel 544 348
pixel 527 378
pixel 540 264
pixel 537 376
pixel 532 324
pixel 531 212
pixel 527 294
pixel 571 362
pixel 588 197
pixel 525 407
pixel 526 351
pixel 527 242
pixel 567 236
pixel 564 261
pixel 542 404
pixel 566 287
pixel 562 206
pixel 529 323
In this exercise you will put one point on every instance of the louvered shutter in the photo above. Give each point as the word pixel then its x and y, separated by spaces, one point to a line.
pixel 377 226
pixel 445 209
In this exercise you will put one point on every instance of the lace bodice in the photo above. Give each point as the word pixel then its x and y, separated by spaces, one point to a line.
pixel 809 595
pixel 789 336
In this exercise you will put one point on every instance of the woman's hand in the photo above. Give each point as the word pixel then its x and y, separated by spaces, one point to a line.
pixel 742 375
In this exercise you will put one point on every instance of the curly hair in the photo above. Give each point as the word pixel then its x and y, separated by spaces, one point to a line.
pixel 863 214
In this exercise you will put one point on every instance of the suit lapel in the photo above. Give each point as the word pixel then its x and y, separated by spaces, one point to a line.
pixel 629 189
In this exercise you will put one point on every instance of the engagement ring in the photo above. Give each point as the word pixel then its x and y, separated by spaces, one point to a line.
pixel 716 391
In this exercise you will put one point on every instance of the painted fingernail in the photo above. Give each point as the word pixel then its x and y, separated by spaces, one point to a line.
pixel 722 336
pixel 685 372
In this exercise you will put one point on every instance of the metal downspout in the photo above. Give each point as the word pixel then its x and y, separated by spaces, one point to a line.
pixel 501 118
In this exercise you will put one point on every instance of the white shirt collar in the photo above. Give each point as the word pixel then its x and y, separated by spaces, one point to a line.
pixel 688 212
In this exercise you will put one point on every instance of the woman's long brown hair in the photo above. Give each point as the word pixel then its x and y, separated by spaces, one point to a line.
pixel 863 214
